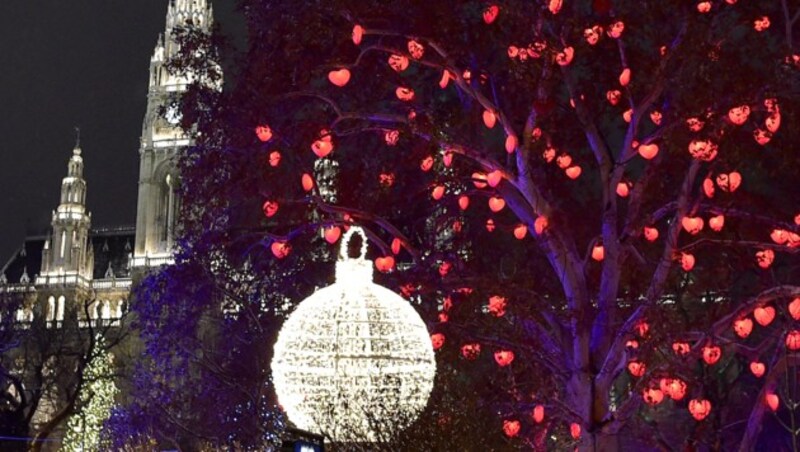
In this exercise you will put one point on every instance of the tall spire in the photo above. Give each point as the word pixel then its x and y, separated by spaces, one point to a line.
pixel 77 149
pixel 67 251
pixel 187 13
pixel 162 137
pixel 75 165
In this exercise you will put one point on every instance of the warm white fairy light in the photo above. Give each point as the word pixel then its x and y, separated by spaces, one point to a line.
pixel 354 361
pixel 95 400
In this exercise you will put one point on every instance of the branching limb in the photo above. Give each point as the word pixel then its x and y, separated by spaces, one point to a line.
pixel 755 421
pixel 655 290
pixel 380 221
pixel 775 293
pixel 789 24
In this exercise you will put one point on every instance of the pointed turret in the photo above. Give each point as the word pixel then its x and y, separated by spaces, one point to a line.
pixel 181 14
pixel 70 224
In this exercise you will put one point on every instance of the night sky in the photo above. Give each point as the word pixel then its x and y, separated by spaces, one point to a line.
pixel 76 63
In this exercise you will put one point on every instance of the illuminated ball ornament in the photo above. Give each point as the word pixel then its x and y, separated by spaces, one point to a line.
pixel 351 354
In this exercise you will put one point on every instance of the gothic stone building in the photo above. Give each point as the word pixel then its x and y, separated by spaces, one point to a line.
pixel 80 275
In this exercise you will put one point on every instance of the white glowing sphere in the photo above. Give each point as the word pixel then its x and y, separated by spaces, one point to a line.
pixel 354 360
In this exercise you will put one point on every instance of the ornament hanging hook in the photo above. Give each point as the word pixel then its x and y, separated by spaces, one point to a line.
pixel 346 242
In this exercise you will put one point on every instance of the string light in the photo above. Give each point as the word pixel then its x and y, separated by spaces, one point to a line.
pixel 96 400
pixel 354 360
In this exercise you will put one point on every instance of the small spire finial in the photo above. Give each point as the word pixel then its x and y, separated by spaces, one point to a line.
pixel 77 149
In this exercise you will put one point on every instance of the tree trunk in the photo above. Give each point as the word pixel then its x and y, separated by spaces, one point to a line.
pixel 603 442
pixel 756 419
pixel 588 399
pixel 50 426
pixel 579 400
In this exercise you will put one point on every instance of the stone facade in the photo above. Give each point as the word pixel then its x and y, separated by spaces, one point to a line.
pixel 72 257
pixel 74 278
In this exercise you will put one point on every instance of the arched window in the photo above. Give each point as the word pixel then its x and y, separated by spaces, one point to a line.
pixel 24 314
pixel 60 310
pixel 63 242
pixel 168 208
pixel 106 310
pixel 93 309
pixel 51 309
pixel 118 310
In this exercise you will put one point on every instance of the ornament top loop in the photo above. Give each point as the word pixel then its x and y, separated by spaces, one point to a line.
pixel 346 242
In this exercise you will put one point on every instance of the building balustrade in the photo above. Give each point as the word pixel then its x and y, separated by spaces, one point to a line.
pixel 155 261
pixel 62 280
pixel 102 323
pixel 112 283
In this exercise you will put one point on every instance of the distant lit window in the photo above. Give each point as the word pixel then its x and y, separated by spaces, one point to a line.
pixel 51 309
pixel 60 310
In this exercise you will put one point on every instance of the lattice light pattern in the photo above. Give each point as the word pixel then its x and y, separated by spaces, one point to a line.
pixel 354 361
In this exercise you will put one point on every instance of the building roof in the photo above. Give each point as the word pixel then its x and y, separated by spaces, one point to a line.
pixel 112 246
pixel 27 259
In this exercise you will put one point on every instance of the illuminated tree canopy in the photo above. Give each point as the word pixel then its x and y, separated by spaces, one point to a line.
pixel 593 203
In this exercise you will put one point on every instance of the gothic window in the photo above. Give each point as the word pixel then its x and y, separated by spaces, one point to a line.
pixel 118 311
pixel 24 314
pixel 167 208
pixel 60 310
pixel 63 242
pixel 51 309
pixel 93 310
pixel 106 310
